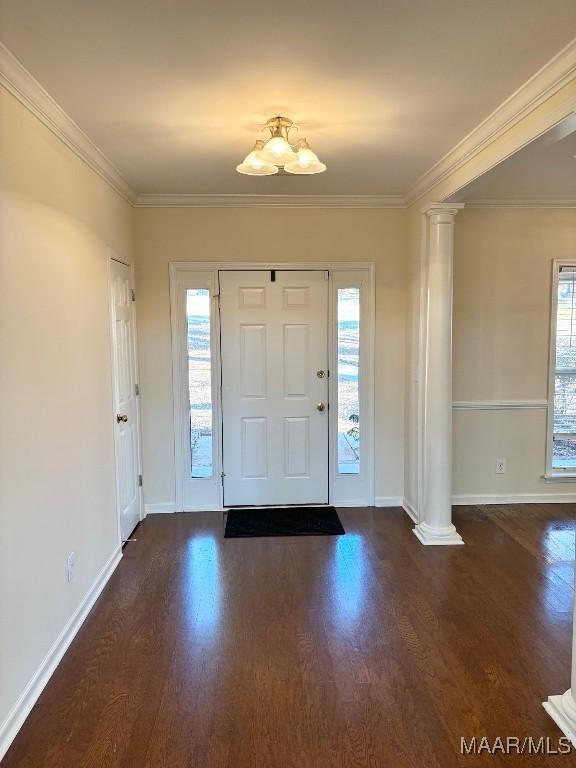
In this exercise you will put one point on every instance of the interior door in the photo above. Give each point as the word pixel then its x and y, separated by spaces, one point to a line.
pixel 126 408
pixel 274 387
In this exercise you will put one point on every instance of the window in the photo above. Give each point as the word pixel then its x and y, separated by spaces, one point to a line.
pixel 562 407
pixel 199 381
pixel 348 301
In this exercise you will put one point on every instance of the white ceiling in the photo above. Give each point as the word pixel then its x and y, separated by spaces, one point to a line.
pixel 174 91
pixel 546 168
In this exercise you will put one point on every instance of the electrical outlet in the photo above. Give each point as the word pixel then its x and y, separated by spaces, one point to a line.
pixel 70 567
pixel 500 466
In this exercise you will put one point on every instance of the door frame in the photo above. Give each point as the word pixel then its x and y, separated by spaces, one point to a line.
pixel 178 271
pixel 141 514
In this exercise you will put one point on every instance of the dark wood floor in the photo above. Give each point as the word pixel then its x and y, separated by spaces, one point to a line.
pixel 362 650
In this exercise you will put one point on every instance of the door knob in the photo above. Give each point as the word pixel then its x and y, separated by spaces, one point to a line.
pixel 321 407
pixel 321 374
pixel 120 418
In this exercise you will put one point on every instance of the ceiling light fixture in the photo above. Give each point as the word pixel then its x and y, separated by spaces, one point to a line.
pixel 278 155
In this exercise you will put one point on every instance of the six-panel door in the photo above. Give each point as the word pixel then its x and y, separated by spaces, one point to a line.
pixel 274 387
pixel 125 418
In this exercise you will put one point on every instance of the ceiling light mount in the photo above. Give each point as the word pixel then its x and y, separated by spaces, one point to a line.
pixel 278 154
pixel 276 124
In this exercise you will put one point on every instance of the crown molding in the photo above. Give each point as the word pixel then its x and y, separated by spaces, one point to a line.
pixel 269 201
pixel 24 86
pixel 527 202
pixel 545 83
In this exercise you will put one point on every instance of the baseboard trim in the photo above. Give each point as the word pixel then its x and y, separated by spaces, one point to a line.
pixel 154 509
pixel 20 711
pixel 388 501
pixel 380 501
pixel 516 498
pixel 410 510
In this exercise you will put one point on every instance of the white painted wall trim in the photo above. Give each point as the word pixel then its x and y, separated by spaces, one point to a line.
pixel 268 201
pixel 23 85
pixel 242 266
pixel 527 202
pixel 541 86
pixel 40 678
pixel 177 273
pixel 388 501
pixel 165 506
pixel 516 498
pixel 545 83
pixel 499 405
pixel 410 510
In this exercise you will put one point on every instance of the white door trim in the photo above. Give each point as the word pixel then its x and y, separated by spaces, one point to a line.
pixel 177 320
pixel 141 514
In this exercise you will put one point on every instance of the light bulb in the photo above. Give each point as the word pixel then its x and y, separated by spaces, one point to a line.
pixel 254 165
pixel 277 151
pixel 306 162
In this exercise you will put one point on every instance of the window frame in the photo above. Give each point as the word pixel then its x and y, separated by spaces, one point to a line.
pixel 194 492
pixel 555 472
pixel 352 489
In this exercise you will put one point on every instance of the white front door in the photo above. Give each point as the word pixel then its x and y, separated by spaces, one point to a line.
pixel 125 404
pixel 274 351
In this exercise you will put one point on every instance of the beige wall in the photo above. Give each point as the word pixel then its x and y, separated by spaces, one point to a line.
pixel 502 280
pixel 57 219
pixel 253 235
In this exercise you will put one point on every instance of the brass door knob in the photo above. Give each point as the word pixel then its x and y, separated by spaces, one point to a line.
pixel 120 418
pixel 321 407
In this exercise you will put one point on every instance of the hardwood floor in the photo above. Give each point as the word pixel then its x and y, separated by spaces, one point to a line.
pixel 322 652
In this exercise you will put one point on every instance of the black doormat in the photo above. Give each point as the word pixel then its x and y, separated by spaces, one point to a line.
pixel 283 521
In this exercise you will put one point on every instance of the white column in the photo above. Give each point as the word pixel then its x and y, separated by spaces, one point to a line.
pixel 562 709
pixel 435 525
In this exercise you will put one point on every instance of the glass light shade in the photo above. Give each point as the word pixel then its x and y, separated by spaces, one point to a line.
pixel 277 151
pixel 254 165
pixel 306 161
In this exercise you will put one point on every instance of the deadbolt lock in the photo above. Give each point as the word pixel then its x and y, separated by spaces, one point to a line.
pixel 321 374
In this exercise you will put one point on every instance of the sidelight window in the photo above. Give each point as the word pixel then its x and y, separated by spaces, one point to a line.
pixel 199 381
pixel 348 385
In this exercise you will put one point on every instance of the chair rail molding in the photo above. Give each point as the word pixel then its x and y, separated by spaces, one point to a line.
pixel 23 85
pixel 499 405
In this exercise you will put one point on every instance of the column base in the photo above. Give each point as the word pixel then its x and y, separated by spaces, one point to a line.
pixel 430 534
pixel 562 709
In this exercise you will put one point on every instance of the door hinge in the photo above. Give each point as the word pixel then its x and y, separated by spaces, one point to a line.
pixel 136 389
pixel 140 480
pixel 222 476
pixel 133 294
